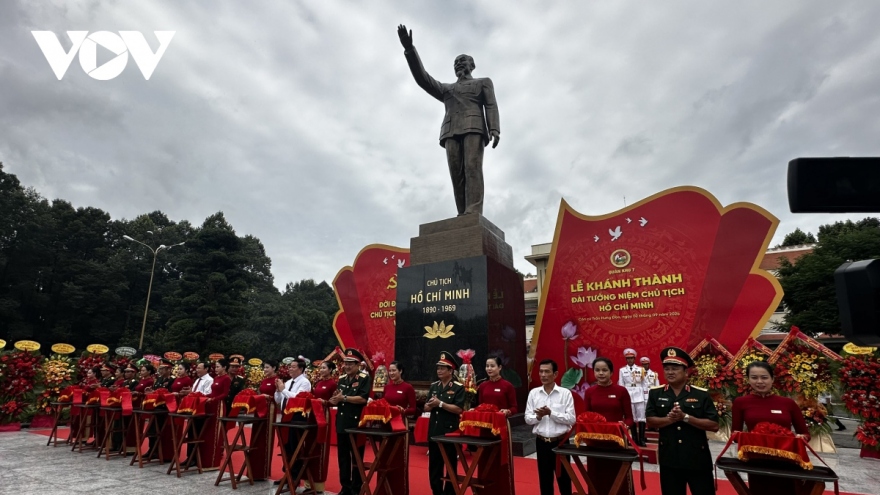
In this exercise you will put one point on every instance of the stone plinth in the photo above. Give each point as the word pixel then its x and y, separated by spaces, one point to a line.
pixel 460 237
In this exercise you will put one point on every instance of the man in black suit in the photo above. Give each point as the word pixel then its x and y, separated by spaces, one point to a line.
pixel 465 130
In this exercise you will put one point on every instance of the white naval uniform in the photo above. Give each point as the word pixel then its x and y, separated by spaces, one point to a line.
pixel 631 377
pixel 650 380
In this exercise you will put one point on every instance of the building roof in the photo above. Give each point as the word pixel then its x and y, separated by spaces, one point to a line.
pixel 530 285
pixel 791 253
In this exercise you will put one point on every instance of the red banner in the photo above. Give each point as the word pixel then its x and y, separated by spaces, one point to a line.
pixel 670 270
pixel 367 295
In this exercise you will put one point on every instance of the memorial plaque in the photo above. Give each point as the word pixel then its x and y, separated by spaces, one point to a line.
pixel 470 303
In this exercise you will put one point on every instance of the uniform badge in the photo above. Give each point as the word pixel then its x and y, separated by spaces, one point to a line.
pixel 670 353
pixel 692 400
pixel 355 384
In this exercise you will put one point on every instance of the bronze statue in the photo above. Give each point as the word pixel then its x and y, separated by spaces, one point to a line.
pixel 465 130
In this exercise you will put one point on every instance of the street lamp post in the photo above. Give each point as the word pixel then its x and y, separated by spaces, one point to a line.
pixel 150 287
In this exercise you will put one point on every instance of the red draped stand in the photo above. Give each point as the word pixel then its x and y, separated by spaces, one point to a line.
pixel 384 429
pixel 189 425
pixel 263 439
pixel 305 417
pixel 116 411
pixel 212 448
pixel 485 421
pixel 610 452
pixel 151 423
pixel 248 409
pixel 781 455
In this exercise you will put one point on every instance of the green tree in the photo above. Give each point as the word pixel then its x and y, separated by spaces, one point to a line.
pixel 797 238
pixel 810 296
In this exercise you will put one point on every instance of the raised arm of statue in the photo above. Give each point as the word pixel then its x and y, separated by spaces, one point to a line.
pixel 432 86
pixel 405 37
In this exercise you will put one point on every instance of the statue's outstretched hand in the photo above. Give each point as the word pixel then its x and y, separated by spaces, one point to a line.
pixel 495 138
pixel 405 37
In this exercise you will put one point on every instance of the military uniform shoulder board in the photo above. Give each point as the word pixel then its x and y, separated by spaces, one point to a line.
pixel 363 373
pixel 657 386
pixel 435 383
pixel 699 388
pixel 457 383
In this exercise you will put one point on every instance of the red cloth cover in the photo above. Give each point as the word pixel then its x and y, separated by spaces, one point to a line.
pixel 486 417
pixel 66 395
pixel 193 403
pixel 154 399
pixel 381 411
pixel 593 430
pixel 251 402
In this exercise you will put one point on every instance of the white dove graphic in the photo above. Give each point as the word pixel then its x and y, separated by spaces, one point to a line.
pixel 643 221
pixel 595 238
pixel 628 220
pixel 385 261
pixel 400 263
pixel 615 234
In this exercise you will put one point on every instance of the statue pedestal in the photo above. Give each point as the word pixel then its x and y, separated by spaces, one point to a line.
pixel 460 237
pixel 461 292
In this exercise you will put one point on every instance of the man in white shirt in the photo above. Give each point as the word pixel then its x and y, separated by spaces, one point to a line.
pixel 285 391
pixel 298 382
pixel 551 409
pixel 203 380
pixel 203 385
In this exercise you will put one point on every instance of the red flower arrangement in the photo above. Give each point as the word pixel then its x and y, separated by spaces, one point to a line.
pixel 19 372
pixel 86 362
pixel 710 361
pixel 800 369
pixel 859 376
pixel 868 433
pixel 767 428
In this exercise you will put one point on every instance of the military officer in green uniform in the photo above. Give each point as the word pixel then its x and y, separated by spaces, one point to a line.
pixel 107 372
pixel 350 398
pixel 238 382
pixel 130 377
pixel 445 403
pixel 683 414
pixel 165 380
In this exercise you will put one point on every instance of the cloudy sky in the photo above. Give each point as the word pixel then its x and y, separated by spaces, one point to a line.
pixel 300 120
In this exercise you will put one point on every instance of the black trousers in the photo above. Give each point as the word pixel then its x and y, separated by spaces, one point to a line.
pixel 674 480
pixel 349 476
pixel 547 469
pixel 464 155
pixel 436 467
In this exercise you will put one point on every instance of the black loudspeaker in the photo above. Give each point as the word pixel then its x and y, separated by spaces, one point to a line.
pixel 858 297
pixel 834 185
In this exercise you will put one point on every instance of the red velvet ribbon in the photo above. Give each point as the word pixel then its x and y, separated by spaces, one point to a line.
pixel 320 419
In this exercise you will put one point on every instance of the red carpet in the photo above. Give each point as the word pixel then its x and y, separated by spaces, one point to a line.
pixel 525 473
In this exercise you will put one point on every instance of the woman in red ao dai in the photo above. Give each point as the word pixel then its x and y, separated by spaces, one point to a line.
pixel 612 401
